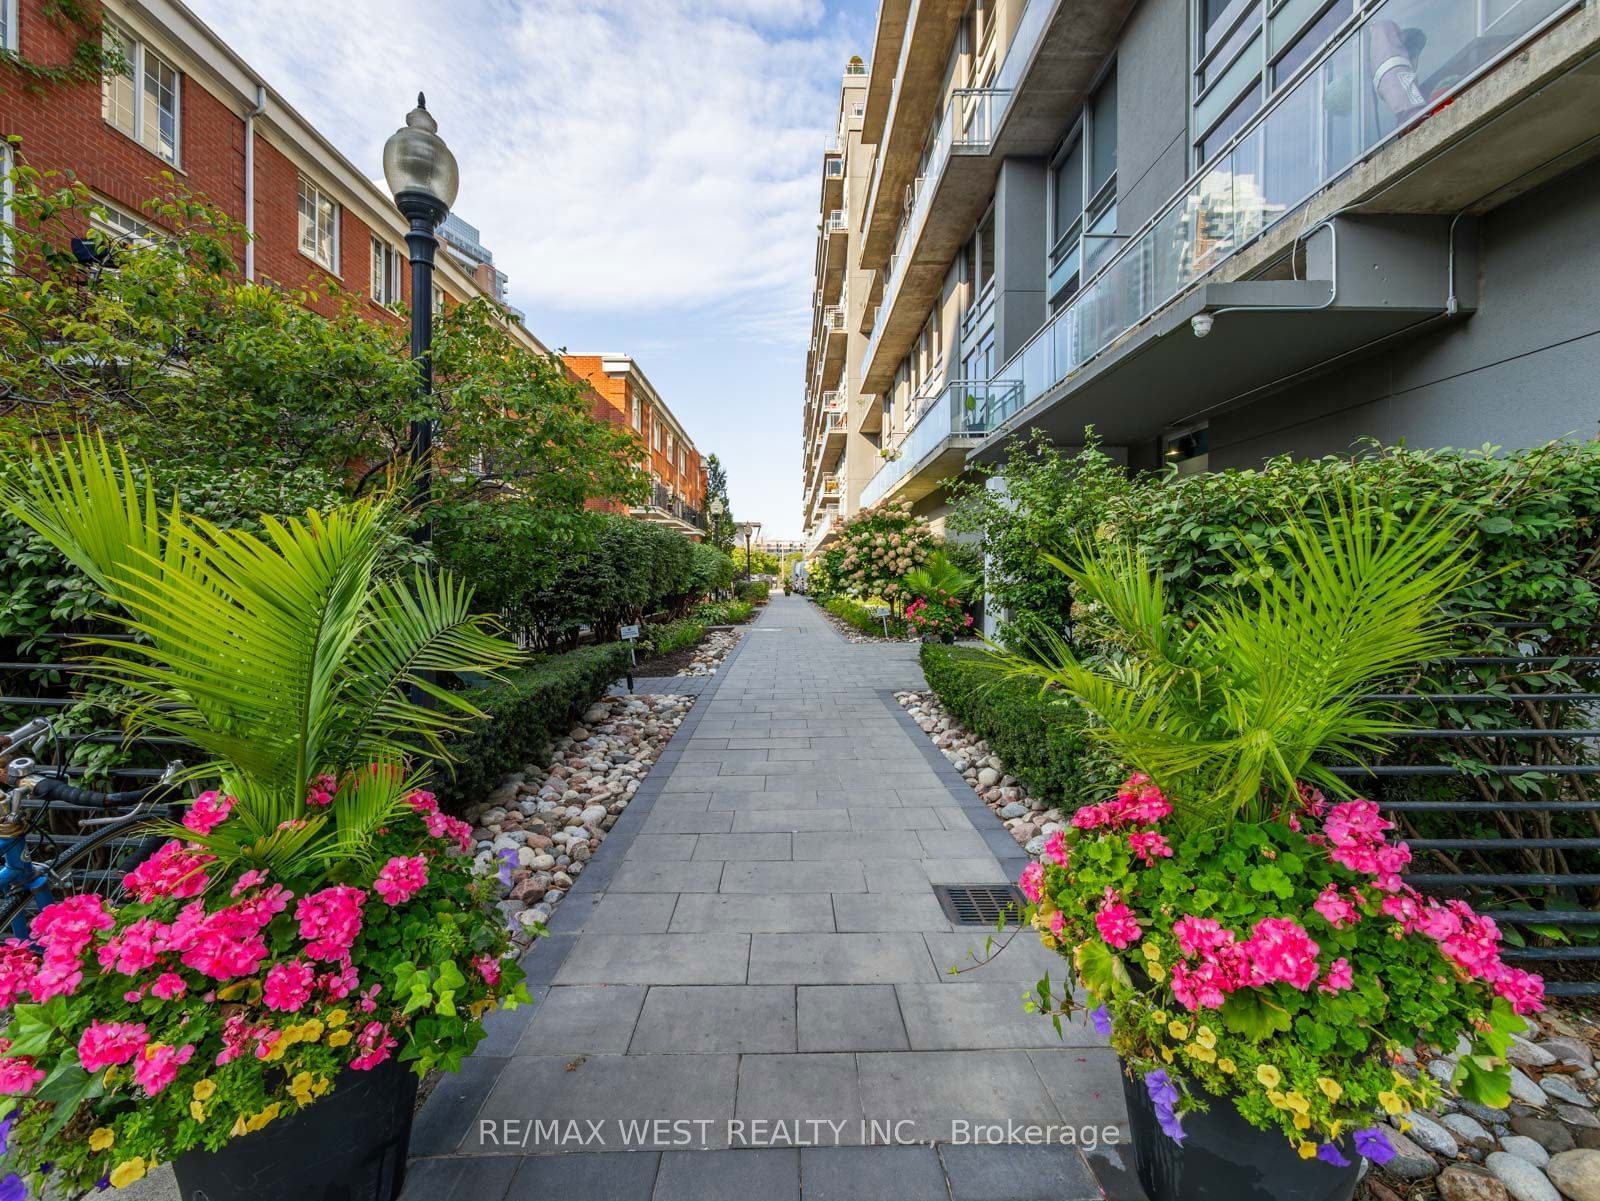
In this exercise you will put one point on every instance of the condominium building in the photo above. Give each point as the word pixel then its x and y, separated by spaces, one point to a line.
pixel 1212 230
pixel 625 396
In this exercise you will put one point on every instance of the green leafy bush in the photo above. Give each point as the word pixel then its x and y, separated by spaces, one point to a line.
pixel 854 613
pixel 667 638
pixel 710 570
pixel 754 592
pixel 724 613
pixel 527 711
pixel 1035 733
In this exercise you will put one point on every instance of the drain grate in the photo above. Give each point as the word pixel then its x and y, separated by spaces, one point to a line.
pixel 979 904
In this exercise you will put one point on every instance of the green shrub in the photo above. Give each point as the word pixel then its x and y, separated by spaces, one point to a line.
pixel 753 592
pixel 667 638
pixel 724 613
pixel 861 616
pixel 1034 733
pixel 526 712
pixel 710 570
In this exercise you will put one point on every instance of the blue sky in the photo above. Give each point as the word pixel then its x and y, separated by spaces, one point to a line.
pixel 646 171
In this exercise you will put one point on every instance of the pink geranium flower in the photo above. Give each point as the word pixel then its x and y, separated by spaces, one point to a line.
pixel 1339 977
pixel 158 1066
pixel 104 1044
pixel 374 1044
pixel 210 810
pixel 288 985
pixel 1149 846
pixel 1335 909
pixel 401 878
pixel 330 920
pixel 1115 921
pixel 321 791
pixel 173 871
pixel 18 1075
pixel 18 967
pixel 1055 849
pixel 1032 882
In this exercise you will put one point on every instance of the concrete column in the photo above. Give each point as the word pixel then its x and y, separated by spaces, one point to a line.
pixel 1019 254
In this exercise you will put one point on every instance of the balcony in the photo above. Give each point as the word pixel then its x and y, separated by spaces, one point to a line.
pixel 1329 119
pixel 828 402
pixel 831 443
pixel 832 182
pixel 666 507
pixel 835 239
pixel 834 339
pixel 936 444
pixel 945 200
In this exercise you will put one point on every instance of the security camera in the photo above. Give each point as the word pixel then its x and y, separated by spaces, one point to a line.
pixel 1201 324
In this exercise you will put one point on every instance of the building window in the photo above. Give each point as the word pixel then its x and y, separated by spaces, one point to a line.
pixel 438 301
pixel 386 262
pixel 637 419
pixel 319 225
pixel 8 32
pixel 658 431
pixel 1083 202
pixel 7 220
pixel 119 227
pixel 1188 451
pixel 142 100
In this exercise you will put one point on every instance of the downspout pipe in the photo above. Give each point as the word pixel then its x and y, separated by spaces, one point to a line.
pixel 250 182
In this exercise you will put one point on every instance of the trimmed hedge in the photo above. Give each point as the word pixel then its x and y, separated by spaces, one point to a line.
pixel 1033 733
pixel 528 710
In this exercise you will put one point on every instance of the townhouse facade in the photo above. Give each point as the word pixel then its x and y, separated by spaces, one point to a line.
pixel 624 395
pixel 1218 230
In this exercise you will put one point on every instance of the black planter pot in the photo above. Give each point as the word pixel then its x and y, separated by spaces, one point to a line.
pixel 1225 1158
pixel 349 1146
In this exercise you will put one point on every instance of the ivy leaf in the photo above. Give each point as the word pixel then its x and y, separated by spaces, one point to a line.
pixel 1250 1015
pixel 1269 878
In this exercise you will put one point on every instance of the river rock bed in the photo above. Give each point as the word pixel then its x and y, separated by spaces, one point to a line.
pixel 1545 1146
pixel 708 656
pixel 540 827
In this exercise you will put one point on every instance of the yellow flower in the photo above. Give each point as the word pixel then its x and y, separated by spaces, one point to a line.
pixel 278 1047
pixel 1205 1037
pixel 320 1086
pixel 197 1111
pixel 1156 971
pixel 338 1038
pixel 239 1127
pixel 1302 1121
pixel 204 1090
pixel 126 1172
pixel 1178 1030
pixel 1152 951
pixel 337 1017
pixel 1331 1089
pixel 101 1138
pixel 1298 1102
pixel 1307 1150
pixel 1202 1053
pixel 311 1030
pixel 1269 1076
pixel 1391 1103
pixel 266 1116
pixel 1278 1100
pixel 1227 1065
pixel 1166 1053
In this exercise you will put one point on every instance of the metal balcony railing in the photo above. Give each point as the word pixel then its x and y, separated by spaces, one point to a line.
pixel 960 410
pixel 1343 104
pixel 835 222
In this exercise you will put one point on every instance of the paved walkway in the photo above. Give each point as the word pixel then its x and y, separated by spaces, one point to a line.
pixel 747 993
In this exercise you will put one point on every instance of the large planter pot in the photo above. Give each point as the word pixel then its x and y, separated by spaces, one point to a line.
pixel 1225 1158
pixel 349 1146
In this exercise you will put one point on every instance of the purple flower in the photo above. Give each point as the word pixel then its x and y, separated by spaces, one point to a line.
pixel 1328 1153
pixel 12 1188
pixel 1168 1122
pixel 6 1123
pixel 1101 1018
pixel 103 1183
pixel 1161 1089
pixel 1373 1144
pixel 508 860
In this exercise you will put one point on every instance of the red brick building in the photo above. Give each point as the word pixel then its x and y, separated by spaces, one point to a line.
pixel 624 396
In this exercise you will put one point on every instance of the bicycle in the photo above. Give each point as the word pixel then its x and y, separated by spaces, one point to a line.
pixel 95 862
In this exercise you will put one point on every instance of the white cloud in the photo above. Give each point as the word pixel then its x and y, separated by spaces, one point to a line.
pixel 618 155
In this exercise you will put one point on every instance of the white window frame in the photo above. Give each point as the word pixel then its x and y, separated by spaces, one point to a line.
pixel 7 217
pixel 385 286
pixel 120 225
pixel 637 415
pixel 317 197
pixel 9 20
pixel 438 301
pixel 139 57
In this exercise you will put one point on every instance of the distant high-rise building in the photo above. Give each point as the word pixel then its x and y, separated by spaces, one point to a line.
pixel 464 243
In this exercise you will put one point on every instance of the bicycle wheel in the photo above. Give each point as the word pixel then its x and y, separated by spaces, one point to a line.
pixel 94 864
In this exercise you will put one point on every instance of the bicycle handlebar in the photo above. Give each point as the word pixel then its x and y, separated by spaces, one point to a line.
pixel 22 733
pixel 48 788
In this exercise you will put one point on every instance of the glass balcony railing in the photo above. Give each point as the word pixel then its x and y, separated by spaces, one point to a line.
pixel 1362 89
pixel 961 410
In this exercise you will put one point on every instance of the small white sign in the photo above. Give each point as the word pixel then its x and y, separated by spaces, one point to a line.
pixel 880 612
pixel 631 633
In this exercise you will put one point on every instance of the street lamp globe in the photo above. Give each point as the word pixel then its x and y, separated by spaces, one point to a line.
pixel 419 168
pixel 716 508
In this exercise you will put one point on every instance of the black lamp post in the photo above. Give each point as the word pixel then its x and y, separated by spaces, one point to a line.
pixel 423 176
pixel 751 529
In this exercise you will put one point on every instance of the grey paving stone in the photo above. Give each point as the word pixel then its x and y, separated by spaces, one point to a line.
pixel 1018 1173
pixel 447 1114
pixel 753 846
pixel 662 848
pixel 701 767
pixel 591 1019
pixel 632 913
pixel 657 959
pixel 905 818
pixel 951 844
pixel 702 1019
pixel 792 820
pixel 958 1017
pixel 805 754
pixel 867 845
pixel 897 875
pixel 767 744
pixel 481 1178
pixel 837 959
pixel 1115 1171
pixel 840 875
pixel 673 821
pixel 753 799
pixel 935 1090
pixel 954 819
pixel 872 1174
pixel 858 796
pixel 681 802
pixel 850 1017
pixel 643 875
pixel 767 1174
pixel 768 767
pixel 1085 1083
pixel 934 795
pixel 727 756
pixel 986 957
pixel 806 1087
pixel 754 913
pixel 613 1175
pixel 906 911
pixel 975 870
pixel 723 784
pixel 614 1089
